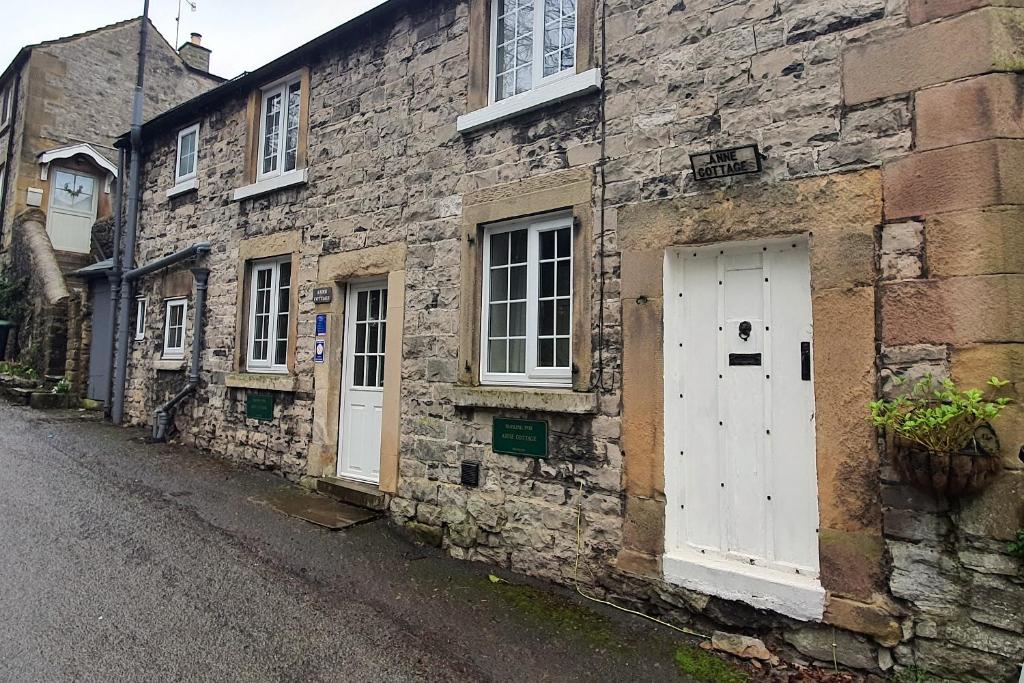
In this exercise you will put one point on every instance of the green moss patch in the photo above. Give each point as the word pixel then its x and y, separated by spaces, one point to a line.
pixel 704 666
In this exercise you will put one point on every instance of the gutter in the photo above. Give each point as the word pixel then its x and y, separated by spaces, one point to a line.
pixel 162 415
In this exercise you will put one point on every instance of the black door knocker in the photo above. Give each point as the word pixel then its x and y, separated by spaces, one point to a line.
pixel 745 329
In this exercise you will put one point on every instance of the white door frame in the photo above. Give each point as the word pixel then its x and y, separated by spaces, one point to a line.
pixel 352 288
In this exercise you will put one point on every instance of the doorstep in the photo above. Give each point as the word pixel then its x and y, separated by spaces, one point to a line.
pixel 352 492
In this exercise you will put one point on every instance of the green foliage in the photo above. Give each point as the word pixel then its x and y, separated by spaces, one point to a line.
pixel 63 386
pixel 18 370
pixel 1017 547
pixel 13 302
pixel 704 666
pixel 940 417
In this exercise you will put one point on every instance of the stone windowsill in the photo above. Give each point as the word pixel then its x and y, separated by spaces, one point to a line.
pixel 261 382
pixel 184 186
pixel 532 398
pixel 290 179
pixel 169 364
pixel 558 91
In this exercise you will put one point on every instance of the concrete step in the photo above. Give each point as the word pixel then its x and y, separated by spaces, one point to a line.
pixel 17 395
pixel 352 492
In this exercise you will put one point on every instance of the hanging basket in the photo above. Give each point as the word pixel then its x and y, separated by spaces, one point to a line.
pixel 959 474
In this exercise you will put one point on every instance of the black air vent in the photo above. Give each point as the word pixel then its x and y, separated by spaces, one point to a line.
pixel 470 473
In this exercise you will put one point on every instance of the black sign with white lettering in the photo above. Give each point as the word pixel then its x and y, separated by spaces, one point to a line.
pixel 323 295
pixel 722 163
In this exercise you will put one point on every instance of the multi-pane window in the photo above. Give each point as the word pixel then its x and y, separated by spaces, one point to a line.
pixel 279 128
pixel 188 152
pixel 140 318
pixel 527 294
pixel 270 285
pixel 370 337
pixel 174 328
pixel 534 42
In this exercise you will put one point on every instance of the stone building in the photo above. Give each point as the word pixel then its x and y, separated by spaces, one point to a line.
pixel 63 103
pixel 439 245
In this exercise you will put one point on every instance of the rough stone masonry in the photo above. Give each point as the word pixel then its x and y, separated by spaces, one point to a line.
pixel 842 98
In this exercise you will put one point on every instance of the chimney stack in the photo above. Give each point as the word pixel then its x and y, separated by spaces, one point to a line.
pixel 195 55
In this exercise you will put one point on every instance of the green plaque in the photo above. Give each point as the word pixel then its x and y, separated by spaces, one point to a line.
pixel 528 438
pixel 259 406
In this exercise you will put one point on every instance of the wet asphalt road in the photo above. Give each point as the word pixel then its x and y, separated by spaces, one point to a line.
pixel 121 561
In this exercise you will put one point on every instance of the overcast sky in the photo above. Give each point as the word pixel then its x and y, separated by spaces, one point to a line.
pixel 243 34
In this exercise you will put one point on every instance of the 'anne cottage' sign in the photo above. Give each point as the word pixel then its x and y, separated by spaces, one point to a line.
pixel 722 163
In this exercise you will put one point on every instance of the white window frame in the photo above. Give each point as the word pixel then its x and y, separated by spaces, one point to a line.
pixel 538 79
pixel 179 179
pixel 141 304
pixel 534 375
pixel 278 88
pixel 175 352
pixel 6 104
pixel 268 365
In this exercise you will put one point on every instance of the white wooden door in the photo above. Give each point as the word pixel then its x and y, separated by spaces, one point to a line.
pixel 740 474
pixel 363 381
pixel 72 210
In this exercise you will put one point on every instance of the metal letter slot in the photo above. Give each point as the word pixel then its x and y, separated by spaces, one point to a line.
pixel 805 361
pixel 744 359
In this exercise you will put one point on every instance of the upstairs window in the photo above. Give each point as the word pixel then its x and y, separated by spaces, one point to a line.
pixel 174 328
pixel 188 154
pixel 270 284
pixel 527 303
pixel 279 128
pixel 534 43
pixel 6 103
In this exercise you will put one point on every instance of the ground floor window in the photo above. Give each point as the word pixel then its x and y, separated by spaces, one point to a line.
pixel 270 284
pixel 174 328
pixel 526 335
pixel 140 318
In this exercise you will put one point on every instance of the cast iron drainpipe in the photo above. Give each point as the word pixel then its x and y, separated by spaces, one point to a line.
pixel 162 415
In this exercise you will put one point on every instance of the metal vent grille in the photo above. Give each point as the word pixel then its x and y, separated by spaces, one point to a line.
pixel 470 473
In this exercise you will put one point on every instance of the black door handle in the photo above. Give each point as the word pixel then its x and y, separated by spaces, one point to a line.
pixel 805 361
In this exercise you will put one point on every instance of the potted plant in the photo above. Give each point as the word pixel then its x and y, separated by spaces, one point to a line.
pixel 942 436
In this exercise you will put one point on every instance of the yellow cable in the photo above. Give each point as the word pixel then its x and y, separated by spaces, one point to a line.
pixel 576 578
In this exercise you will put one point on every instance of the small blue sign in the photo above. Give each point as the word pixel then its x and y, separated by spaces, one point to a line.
pixel 321 324
pixel 318 351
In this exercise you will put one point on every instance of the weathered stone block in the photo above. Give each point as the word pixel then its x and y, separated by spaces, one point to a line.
pixel 973 366
pixel 921 11
pixel 970 176
pixel 851 563
pixel 976 242
pixel 997 513
pixel 644 527
pixel 953 311
pixel 975 109
pixel 976 43
pixel 822 644
pixel 873 619
pixel 844 363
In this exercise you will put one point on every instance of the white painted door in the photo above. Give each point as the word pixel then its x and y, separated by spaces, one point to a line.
pixel 72 210
pixel 363 383
pixel 740 474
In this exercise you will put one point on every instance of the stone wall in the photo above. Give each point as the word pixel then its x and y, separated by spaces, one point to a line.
pixel 80 89
pixel 387 166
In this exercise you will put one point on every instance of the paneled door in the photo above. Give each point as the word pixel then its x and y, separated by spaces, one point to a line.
pixel 363 381
pixel 740 472
pixel 72 210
